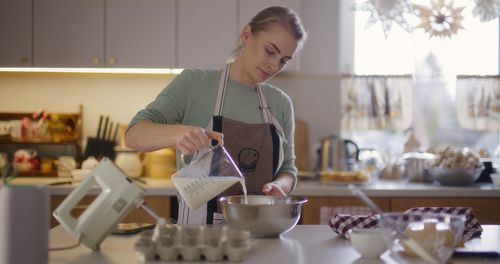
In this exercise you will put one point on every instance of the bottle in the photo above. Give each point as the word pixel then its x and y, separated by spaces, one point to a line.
pixel 128 161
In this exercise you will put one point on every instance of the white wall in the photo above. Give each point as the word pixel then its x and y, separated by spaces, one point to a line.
pixel 316 102
pixel 120 97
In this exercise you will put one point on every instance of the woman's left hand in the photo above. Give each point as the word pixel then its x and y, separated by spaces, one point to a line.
pixel 273 189
pixel 282 185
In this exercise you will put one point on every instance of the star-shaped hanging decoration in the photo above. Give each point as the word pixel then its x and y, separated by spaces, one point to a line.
pixel 486 10
pixel 387 11
pixel 441 19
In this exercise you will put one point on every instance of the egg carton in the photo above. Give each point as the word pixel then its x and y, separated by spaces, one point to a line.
pixel 192 243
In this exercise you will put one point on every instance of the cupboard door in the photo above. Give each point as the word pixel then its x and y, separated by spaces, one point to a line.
pixel 207 33
pixel 15 32
pixel 311 211
pixel 140 33
pixel 249 8
pixel 68 33
pixel 485 209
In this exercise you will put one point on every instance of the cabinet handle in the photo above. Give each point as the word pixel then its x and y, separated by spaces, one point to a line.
pixel 24 60
pixel 96 61
pixel 111 61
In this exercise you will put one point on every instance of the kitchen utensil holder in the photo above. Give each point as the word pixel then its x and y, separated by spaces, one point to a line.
pixel 100 148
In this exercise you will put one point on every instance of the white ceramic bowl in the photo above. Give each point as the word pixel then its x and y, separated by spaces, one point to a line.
pixel 459 177
pixel 369 242
pixel 81 174
pixel 23 166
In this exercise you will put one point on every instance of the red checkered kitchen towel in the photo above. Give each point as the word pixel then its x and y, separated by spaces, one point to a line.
pixel 342 223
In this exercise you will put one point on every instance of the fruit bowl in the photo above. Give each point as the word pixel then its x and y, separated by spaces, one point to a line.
pixel 455 176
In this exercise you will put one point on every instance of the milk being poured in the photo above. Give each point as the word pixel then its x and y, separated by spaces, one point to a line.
pixel 244 186
pixel 207 176
pixel 197 191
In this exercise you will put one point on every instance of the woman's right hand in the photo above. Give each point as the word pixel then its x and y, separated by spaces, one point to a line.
pixel 197 138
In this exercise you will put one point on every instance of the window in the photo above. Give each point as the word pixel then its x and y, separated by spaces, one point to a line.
pixel 434 64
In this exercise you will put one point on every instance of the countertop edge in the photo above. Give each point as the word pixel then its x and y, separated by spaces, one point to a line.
pixel 165 187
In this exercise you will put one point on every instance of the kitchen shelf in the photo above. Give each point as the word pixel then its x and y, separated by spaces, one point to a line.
pixel 76 139
pixel 37 173
pixel 9 140
pixel 52 145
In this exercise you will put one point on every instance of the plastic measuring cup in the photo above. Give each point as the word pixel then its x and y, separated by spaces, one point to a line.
pixel 211 171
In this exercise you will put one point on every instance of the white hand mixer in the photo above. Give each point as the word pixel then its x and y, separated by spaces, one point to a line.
pixel 118 196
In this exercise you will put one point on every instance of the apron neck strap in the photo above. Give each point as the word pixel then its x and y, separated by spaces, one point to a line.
pixel 219 103
pixel 266 113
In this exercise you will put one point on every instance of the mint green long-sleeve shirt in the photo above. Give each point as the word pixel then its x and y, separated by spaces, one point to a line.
pixel 190 98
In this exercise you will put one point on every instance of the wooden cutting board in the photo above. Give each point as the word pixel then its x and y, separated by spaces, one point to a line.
pixel 301 145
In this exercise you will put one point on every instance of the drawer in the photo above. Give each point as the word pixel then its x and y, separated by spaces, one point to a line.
pixel 486 210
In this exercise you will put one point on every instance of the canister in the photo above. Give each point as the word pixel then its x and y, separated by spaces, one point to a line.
pixel 160 163
pixel 416 165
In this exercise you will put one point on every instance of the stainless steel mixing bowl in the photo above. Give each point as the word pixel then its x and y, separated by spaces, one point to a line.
pixel 263 216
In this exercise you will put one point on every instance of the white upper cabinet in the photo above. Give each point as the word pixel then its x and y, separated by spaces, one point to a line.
pixel 15 33
pixel 109 33
pixel 207 33
pixel 68 33
pixel 140 33
pixel 249 8
pixel 126 33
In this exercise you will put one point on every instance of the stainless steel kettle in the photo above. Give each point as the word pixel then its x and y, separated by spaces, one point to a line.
pixel 339 154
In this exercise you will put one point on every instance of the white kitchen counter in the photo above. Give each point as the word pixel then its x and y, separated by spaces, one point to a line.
pixel 304 244
pixel 397 189
pixel 63 186
pixel 164 187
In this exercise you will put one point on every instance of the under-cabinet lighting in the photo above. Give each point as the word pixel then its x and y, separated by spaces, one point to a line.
pixel 94 70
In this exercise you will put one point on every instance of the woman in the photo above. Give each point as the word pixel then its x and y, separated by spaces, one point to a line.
pixel 254 120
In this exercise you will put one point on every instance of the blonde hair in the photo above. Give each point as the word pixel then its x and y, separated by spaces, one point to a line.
pixel 283 16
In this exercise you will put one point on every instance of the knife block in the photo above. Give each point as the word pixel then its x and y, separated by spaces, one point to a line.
pixel 100 148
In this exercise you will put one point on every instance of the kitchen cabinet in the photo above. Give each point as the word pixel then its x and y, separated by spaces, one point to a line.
pixel 311 209
pixel 207 33
pixel 126 33
pixel 159 204
pixel 68 33
pixel 109 33
pixel 485 209
pixel 249 8
pixel 15 32
pixel 140 33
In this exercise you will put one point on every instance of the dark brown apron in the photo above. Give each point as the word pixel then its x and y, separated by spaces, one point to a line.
pixel 256 149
